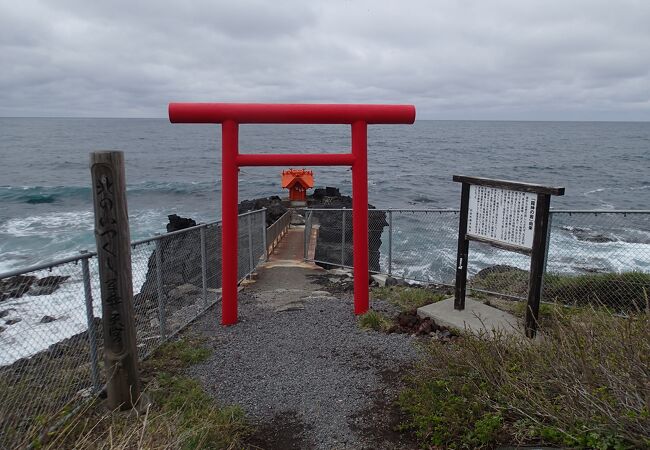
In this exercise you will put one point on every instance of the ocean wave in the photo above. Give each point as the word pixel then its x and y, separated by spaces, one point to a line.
pixel 52 194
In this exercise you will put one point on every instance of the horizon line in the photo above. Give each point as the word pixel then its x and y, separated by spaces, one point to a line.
pixel 416 120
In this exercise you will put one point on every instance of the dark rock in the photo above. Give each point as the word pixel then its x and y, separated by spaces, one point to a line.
pixel 392 281
pixel 179 223
pixel 328 247
pixel 2 329
pixel 47 319
pixel 5 313
pixel 499 268
pixel 52 280
pixel 407 319
pixel 13 321
pixel 274 207
pixel 320 193
pixel 15 287
pixel 426 326
pixel 181 255
pixel 589 235
pixel 47 285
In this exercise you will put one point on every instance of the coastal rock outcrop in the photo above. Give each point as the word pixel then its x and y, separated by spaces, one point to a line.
pixel 19 285
pixel 181 256
pixel 330 233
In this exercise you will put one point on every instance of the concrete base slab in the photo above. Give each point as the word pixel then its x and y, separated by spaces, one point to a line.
pixel 477 317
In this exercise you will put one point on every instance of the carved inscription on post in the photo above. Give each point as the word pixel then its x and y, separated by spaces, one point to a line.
pixel 107 240
pixel 114 260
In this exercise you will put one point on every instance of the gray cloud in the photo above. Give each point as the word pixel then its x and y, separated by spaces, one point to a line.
pixel 500 59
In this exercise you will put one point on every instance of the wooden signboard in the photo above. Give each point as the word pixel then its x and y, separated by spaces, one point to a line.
pixel 509 215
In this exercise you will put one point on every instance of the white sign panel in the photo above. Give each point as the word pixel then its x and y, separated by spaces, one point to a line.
pixel 502 215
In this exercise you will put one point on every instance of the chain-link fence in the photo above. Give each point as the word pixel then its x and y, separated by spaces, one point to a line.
pixel 594 257
pixel 50 317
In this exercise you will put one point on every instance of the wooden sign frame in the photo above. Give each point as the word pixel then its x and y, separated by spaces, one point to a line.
pixel 537 253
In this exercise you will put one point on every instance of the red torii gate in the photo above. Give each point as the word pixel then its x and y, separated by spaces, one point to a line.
pixel 230 115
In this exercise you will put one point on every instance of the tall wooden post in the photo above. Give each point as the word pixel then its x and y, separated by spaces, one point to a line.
pixel 463 251
pixel 537 263
pixel 114 259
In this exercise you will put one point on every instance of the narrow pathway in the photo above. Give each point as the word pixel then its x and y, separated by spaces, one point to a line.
pixel 299 365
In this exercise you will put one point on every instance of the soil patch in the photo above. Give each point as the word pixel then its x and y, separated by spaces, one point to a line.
pixel 285 431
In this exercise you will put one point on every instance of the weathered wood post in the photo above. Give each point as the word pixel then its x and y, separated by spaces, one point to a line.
pixel 114 259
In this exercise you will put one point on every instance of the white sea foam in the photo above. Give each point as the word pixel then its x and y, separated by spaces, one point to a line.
pixel 67 305
pixel 43 225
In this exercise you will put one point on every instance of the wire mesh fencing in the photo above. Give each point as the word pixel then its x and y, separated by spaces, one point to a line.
pixel 50 317
pixel 50 346
pixel 600 258
pixel 594 257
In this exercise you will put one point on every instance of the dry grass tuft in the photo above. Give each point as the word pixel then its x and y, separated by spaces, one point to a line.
pixel 585 383
pixel 176 413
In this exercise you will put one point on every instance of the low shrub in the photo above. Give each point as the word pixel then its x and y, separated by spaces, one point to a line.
pixel 408 298
pixel 584 383
pixel 621 292
pixel 179 413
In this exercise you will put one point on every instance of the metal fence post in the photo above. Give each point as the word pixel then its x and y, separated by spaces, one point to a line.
pixel 390 242
pixel 159 285
pixel 343 238
pixel 204 269
pixel 264 230
pixel 250 246
pixel 90 319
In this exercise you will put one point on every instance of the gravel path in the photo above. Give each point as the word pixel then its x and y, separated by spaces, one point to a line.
pixel 301 367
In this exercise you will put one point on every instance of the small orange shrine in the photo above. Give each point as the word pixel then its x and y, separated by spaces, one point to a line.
pixel 297 181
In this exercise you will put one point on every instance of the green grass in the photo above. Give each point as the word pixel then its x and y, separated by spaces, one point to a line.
pixel 372 320
pixel 180 414
pixel 618 292
pixel 585 384
pixel 407 298
pixel 625 291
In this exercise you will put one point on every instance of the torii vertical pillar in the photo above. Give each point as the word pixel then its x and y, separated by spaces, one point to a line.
pixel 230 115
pixel 360 215
pixel 229 220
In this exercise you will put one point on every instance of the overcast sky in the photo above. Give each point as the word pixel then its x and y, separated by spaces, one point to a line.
pixel 454 59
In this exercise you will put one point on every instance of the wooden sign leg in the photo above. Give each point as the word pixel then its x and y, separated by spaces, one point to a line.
pixel 463 251
pixel 114 259
pixel 537 257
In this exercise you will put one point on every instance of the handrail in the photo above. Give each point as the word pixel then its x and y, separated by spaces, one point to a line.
pixel 450 210
pixel 283 221
pixel 601 211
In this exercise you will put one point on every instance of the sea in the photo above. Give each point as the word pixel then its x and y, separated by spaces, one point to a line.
pixel 45 195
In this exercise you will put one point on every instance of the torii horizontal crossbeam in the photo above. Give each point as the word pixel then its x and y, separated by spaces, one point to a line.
pixel 321 159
